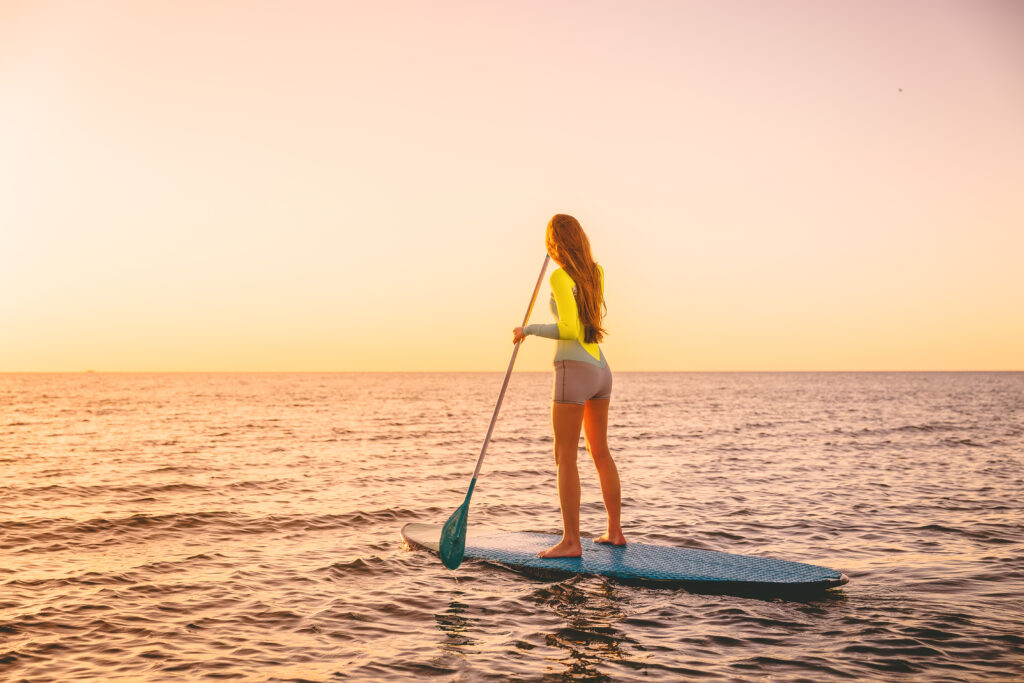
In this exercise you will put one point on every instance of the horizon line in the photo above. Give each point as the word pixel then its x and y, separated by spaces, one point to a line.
pixel 412 372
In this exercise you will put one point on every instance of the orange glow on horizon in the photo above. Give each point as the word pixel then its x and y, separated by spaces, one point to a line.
pixel 333 187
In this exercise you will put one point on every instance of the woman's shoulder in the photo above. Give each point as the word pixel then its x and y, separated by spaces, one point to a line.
pixel 560 277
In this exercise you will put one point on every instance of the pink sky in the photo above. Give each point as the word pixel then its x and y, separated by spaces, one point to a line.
pixel 364 186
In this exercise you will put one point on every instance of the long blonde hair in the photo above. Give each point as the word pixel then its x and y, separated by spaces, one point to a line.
pixel 568 244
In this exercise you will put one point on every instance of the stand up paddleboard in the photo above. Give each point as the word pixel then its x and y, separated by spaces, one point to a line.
pixel 636 562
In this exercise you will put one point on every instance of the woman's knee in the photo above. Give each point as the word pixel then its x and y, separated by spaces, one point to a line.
pixel 565 453
pixel 599 454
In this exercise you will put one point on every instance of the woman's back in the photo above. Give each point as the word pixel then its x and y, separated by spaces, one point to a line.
pixel 569 330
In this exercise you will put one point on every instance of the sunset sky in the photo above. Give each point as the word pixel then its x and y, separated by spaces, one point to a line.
pixel 318 186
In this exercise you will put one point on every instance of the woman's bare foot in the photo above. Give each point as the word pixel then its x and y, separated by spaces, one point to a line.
pixel 611 539
pixel 563 549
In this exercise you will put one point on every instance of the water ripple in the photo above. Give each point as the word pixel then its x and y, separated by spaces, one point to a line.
pixel 157 527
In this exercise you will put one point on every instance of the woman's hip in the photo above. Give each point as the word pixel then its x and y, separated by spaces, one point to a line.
pixel 578 381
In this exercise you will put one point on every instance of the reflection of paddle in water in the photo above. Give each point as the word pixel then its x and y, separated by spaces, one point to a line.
pixel 456 626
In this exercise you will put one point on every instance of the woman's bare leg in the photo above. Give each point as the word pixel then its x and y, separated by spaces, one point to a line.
pixel 595 426
pixel 566 419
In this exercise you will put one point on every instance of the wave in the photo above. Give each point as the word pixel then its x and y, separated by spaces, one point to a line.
pixel 23 535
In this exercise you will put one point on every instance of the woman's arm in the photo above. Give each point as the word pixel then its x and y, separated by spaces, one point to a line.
pixel 568 325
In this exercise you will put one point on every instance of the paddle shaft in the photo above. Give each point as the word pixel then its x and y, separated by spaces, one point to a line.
pixel 508 373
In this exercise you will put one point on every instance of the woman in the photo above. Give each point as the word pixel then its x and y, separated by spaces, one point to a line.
pixel 583 381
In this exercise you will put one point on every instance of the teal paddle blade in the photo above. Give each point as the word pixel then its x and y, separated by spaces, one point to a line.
pixel 453 533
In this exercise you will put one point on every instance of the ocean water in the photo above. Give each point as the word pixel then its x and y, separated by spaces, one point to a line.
pixel 186 527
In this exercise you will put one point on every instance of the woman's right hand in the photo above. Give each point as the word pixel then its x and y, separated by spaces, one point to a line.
pixel 518 335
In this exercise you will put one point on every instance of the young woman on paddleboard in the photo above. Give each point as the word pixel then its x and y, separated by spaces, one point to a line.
pixel 583 381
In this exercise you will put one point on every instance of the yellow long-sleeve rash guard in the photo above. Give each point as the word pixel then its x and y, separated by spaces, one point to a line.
pixel 569 329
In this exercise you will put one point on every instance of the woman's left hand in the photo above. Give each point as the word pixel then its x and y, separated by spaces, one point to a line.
pixel 518 335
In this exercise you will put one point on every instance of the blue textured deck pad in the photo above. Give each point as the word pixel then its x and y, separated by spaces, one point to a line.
pixel 643 561
pixel 633 561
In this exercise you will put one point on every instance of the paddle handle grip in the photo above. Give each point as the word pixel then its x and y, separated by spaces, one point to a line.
pixel 508 373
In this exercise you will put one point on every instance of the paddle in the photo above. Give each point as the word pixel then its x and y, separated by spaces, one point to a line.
pixel 453 533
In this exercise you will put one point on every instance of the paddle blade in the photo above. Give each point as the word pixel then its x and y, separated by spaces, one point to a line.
pixel 453 538
pixel 453 533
